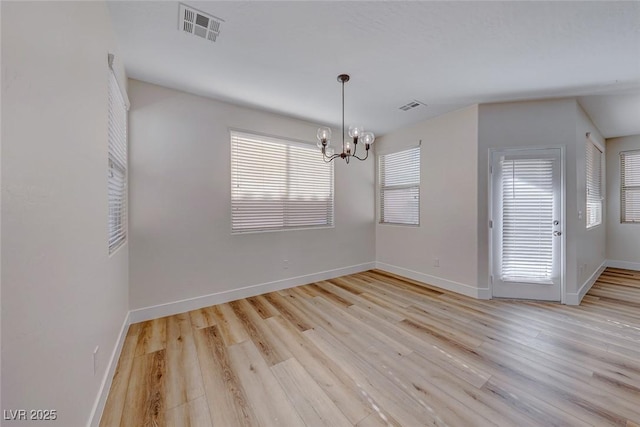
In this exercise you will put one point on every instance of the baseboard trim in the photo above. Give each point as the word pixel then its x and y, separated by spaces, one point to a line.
pixel 449 285
pixel 484 293
pixel 168 309
pixel 576 298
pixel 101 400
pixel 626 265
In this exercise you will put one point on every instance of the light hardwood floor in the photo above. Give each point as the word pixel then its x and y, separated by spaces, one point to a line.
pixel 374 349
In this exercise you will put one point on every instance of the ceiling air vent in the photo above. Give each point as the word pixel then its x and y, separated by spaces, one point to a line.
pixel 199 23
pixel 411 105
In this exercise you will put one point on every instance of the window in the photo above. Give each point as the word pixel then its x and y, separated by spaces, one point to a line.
pixel 278 184
pixel 528 198
pixel 117 171
pixel 630 186
pixel 399 178
pixel 595 159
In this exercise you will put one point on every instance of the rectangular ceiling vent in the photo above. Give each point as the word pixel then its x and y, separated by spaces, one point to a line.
pixel 199 23
pixel 411 105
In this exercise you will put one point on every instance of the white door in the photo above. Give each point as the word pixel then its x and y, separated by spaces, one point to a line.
pixel 526 224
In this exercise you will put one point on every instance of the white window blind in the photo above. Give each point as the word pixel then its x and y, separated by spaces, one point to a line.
pixel 278 184
pixel 527 220
pixel 117 169
pixel 595 168
pixel 399 178
pixel 630 186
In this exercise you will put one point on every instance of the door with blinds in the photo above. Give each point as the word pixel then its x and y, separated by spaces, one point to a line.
pixel 526 224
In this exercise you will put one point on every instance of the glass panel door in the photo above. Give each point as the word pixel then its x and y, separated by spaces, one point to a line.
pixel 526 224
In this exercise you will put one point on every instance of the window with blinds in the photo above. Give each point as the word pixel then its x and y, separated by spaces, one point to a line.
pixel 117 168
pixel 595 160
pixel 399 181
pixel 278 184
pixel 630 186
pixel 527 219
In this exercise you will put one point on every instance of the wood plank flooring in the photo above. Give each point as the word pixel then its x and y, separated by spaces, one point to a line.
pixel 375 349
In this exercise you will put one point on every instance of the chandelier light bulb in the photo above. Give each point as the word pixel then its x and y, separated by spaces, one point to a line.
pixel 368 138
pixel 355 131
pixel 324 135
pixel 347 147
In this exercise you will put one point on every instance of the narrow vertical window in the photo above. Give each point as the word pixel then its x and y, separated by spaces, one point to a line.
pixel 399 181
pixel 117 165
pixel 630 186
pixel 595 160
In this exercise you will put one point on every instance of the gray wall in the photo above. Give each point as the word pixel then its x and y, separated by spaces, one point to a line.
pixel 623 240
pixel 454 224
pixel 448 204
pixel 549 123
pixel 62 294
pixel 590 244
pixel 180 216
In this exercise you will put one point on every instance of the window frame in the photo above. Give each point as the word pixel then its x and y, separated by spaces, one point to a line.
pixel 313 155
pixel 382 188
pixel 624 187
pixel 590 147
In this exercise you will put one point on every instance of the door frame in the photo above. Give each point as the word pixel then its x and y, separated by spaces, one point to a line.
pixel 563 212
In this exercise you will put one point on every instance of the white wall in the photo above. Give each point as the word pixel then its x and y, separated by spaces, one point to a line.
pixel 180 217
pixel 61 292
pixel 590 244
pixel 623 240
pixel 448 205
pixel 454 227
pixel 1 137
pixel 528 124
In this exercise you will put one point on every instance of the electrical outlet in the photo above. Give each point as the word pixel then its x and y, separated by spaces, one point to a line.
pixel 285 264
pixel 95 360
pixel 436 262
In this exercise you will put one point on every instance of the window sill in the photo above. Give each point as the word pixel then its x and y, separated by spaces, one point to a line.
pixel 241 233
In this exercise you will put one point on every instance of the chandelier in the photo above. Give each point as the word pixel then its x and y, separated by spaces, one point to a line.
pixel 349 147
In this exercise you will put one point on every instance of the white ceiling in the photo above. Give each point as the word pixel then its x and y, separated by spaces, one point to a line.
pixel 284 56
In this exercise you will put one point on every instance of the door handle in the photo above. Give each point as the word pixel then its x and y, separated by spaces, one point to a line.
pixel 557 233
